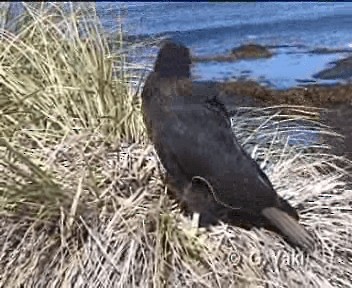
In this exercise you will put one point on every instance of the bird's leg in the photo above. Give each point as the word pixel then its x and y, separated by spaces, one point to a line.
pixel 195 214
pixel 204 208
pixel 195 199
pixel 195 221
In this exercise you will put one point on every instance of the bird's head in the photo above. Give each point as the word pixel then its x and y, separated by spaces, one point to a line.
pixel 173 60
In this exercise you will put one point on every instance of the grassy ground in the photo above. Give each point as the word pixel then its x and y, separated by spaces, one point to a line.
pixel 82 203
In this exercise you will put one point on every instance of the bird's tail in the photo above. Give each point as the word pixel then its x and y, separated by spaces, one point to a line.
pixel 289 227
pixel 173 60
pixel 285 206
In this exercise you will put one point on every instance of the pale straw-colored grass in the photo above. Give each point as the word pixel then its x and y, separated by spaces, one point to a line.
pixel 120 229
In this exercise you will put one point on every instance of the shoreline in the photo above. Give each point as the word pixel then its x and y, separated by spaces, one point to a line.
pixel 281 66
pixel 335 99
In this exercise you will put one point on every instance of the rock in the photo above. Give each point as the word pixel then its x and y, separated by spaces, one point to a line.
pixel 324 50
pixel 251 51
pixel 243 52
pixel 342 69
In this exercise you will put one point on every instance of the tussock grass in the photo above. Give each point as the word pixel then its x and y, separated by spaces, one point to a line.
pixel 54 80
pixel 83 204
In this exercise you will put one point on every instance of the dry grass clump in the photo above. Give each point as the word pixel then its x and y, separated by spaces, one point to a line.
pixel 58 74
pixel 120 229
pixel 80 208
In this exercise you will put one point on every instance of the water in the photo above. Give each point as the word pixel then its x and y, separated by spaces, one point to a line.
pixel 216 28
pixel 282 71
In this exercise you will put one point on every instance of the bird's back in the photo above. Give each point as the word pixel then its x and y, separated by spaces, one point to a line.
pixel 193 135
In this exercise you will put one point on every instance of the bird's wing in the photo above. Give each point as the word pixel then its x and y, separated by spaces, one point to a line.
pixel 198 140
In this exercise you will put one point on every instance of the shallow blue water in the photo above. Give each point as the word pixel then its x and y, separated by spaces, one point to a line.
pixel 282 71
pixel 215 28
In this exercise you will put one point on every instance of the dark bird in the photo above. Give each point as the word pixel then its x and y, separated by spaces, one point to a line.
pixel 206 166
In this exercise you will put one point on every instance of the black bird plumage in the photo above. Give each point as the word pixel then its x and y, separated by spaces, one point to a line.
pixel 206 166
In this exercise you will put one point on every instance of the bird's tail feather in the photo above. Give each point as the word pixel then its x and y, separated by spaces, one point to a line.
pixel 289 227
pixel 285 206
